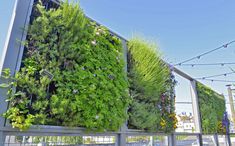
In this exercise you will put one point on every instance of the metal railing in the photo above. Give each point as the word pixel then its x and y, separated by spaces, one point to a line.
pixel 57 135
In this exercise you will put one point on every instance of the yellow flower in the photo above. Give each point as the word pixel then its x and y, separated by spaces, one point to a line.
pixel 175 121
pixel 163 123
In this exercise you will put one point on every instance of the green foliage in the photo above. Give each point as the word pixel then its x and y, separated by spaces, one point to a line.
pixel 151 87
pixel 212 108
pixel 72 74
pixel 18 115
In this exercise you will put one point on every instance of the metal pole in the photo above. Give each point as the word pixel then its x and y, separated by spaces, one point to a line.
pixel 228 139
pixel 196 111
pixel 200 141
pixel 2 138
pixel 216 140
pixel 171 140
pixel 151 141
pixel 230 95
pixel 226 123
pixel 121 139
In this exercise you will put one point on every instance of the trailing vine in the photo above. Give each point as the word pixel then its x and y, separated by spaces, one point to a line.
pixel 212 108
pixel 72 74
pixel 151 88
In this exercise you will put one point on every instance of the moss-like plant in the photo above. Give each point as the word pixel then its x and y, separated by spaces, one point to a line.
pixel 212 108
pixel 72 74
pixel 151 87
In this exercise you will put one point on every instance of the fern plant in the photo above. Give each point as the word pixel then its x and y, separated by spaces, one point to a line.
pixel 151 87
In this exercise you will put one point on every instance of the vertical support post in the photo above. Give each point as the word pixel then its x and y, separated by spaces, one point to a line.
pixel 196 111
pixel 125 50
pixel 121 137
pixel 228 140
pixel 166 140
pixel 171 140
pixel 216 140
pixel 232 113
pixel 13 49
pixel 195 103
pixel 2 138
pixel 151 141
pixel 231 103
pixel 199 138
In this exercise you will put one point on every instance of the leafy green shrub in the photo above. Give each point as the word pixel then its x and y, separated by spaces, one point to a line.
pixel 212 108
pixel 72 74
pixel 151 87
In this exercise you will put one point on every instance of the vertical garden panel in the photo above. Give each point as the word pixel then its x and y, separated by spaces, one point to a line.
pixel 212 108
pixel 151 88
pixel 72 74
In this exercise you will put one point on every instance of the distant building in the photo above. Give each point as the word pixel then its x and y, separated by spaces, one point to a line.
pixel 185 122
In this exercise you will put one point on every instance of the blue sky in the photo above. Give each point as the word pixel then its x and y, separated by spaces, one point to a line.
pixel 182 29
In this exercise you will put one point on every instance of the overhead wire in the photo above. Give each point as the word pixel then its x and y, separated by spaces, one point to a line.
pixel 209 64
pixel 205 53
pixel 215 80
pixel 217 75
pixel 183 63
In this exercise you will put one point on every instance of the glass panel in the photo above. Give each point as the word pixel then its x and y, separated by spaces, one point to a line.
pixel 138 140
pixel 60 140
pixel 183 106
pixel 208 140
pixel 185 140
pixel 160 141
pixel 147 141
pixel 98 139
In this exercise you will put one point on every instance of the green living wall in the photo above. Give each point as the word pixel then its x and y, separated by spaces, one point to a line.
pixel 72 74
pixel 151 88
pixel 212 108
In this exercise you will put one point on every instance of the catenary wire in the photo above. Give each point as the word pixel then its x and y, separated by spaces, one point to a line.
pixel 209 64
pixel 217 75
pixel 215 80
pixel 205 53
